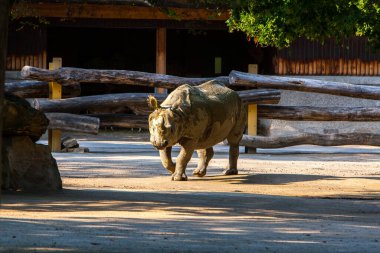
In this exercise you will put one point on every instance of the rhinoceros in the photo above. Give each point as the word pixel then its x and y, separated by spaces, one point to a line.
pixel 197 118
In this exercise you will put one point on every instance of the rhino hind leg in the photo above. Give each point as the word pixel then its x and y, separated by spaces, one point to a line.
pixel 232 165
pixel 205 155
pixel 233 140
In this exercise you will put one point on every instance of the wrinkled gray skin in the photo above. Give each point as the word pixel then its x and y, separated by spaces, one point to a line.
pixel 197 118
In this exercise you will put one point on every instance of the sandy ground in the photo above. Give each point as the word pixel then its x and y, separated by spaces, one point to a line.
pixel 118 198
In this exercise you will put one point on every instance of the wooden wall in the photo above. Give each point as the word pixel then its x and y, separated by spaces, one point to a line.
pixel 26 47
pixel 310 58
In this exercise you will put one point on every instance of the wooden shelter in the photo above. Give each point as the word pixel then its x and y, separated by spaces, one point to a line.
pixel 352 57
pixel 175 36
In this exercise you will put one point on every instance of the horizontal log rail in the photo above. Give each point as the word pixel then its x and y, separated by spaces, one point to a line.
pixel 70 76
pixel 73 122
pixel 309 113
pixel 80 104
pixel 237 78
pixel 260 96
pixel 311 139
pixel 135 101
pixel 122 120
pixel 38 89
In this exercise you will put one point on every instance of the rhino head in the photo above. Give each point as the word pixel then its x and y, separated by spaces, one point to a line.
pixel 163 125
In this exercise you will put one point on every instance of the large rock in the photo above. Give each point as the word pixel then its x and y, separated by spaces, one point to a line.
pixel 19 118
pixel 28 166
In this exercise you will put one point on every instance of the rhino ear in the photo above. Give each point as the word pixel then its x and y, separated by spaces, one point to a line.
pixel 183 105
pixel 152 102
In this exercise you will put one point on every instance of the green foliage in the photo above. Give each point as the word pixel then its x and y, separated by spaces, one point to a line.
pixel 280 22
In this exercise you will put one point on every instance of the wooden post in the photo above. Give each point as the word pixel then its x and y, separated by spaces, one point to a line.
pixel 252 114
pixel 161 55
pixel 55 92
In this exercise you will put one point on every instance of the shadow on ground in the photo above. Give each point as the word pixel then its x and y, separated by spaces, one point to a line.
pixel 273 179
pixel 130 221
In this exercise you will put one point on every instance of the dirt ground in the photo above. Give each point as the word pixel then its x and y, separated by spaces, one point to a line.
pixel 118 198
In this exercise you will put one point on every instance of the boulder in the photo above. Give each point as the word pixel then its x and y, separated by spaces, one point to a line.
pixel 69 142
pixel 28 166
pixel 20 119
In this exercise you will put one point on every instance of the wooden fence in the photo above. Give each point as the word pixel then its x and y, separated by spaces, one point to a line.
pixel 261 90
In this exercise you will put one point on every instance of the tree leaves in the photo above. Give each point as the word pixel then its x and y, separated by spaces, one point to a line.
pixel 280 22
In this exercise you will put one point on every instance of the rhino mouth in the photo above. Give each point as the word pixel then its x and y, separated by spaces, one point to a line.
pixel 160 146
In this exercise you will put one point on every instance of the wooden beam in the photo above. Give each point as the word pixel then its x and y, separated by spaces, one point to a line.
pixel 38 89
pixel 311 139
pixel 73 123
pixel 252 114
pixel 70 76
pixel 81 104
pixel 122 120
pixel 135 101
pixel 256 96
pixel 307 85
pixel 118 11
pixel 309 113
pixel 260 96
pixel 55 92
pixel 161 55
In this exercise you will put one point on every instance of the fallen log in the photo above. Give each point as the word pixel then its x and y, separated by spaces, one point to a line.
pixel 122 120
pixel 135 101
pixel 260 96
pixel 256 96
pixel 311 139
pixel 82 104
pixel 309 113
pixel 237 78
pixel 68 76
pixel 73 123
pixel 38 89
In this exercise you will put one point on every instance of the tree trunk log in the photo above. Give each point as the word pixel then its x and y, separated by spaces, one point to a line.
pixel 135 101
pixel 311 139
pixel 237 78
pixel 255 96
pixel 260 96
pixel 82 104
pixel 38 89
pixel 73 122
pixel 122 120
pixel 68 76
pixel 308 113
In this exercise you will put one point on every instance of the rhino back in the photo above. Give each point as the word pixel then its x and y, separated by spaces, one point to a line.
pixel 212 111
pixel 221 102
pixel 215 109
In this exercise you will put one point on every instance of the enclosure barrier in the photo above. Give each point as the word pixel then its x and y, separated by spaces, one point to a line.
pixel 73 123
pixel 263 90
pixel 55 92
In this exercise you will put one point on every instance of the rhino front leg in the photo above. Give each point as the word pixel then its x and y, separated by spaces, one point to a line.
pixel 181 163
pixel 205 156
pixel 232 166
pixel 166 159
